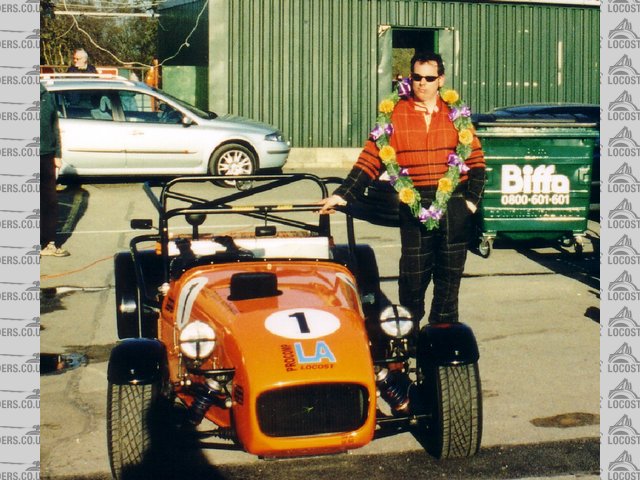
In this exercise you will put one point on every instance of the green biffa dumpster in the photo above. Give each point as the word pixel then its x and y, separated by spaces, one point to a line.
pixel 538 178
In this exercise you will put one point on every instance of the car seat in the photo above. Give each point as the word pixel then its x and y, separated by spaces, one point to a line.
pixel 103 112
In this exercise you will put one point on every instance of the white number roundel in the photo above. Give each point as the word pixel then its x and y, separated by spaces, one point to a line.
pixel 302 323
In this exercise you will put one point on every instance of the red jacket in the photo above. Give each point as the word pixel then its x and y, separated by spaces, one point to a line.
pixel 423 152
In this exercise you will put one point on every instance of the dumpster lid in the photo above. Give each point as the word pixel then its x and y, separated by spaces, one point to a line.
pixel 563 115
pixel 534 123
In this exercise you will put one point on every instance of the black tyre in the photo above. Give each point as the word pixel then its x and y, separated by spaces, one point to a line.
pixel 127 303
pixel 232 159
pixel 454 399
pixel 130 411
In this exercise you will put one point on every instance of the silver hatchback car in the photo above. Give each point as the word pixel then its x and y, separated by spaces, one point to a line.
pixel 117 127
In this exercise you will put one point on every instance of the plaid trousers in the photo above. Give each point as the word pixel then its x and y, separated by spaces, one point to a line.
pixel 439 254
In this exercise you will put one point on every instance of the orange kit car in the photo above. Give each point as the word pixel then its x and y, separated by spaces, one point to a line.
pixel 282 339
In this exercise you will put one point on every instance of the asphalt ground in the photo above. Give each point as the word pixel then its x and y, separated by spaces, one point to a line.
pixel 533 307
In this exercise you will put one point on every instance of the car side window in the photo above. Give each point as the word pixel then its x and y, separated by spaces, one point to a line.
pixel 85 105
pixel 142 108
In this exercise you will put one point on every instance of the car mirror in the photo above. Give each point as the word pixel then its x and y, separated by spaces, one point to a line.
pixel 187 121
pixel 141 224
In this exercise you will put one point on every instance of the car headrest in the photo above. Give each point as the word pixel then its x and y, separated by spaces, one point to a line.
pixel 105 104
pixel 249 285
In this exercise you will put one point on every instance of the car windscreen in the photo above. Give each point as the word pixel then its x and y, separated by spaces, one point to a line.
pixel 196 111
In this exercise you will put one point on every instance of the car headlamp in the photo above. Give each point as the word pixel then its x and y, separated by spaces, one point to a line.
pixel 396 321
pixel 274 137
pixel 197 340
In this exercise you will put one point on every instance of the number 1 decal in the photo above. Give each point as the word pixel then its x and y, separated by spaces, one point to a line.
pixel 302 323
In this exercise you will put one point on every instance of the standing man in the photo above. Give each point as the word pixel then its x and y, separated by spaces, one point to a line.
pixel 429 147
pixel 81 63
pixel 50 154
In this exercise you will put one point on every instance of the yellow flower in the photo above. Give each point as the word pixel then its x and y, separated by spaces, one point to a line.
pixel 445 185
pixel 465 136
pixel 387 154
pixel 450 96
pixel 386 106
pixel 407 195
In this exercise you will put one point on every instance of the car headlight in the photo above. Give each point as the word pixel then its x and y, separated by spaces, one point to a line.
pixel 197 340
pixel 274 137
pixel 396 321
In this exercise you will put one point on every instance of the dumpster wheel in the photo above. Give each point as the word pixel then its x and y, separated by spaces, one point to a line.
pixel 485 246
pixel 578 244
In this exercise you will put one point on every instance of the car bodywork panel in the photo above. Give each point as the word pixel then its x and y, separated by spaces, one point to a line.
pixel 263 341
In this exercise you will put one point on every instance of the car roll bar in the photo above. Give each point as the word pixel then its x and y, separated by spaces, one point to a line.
pixel 225 204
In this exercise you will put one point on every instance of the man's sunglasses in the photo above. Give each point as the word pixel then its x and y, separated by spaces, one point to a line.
pixel 429 78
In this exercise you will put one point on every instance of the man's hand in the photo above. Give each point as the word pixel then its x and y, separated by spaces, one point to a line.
pixel 472 208
pixel 57 162
pixel 329 204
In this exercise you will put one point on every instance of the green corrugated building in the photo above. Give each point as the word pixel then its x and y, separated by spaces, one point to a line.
pixel 317 68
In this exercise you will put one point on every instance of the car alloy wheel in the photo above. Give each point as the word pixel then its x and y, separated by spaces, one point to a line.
pixel 232 159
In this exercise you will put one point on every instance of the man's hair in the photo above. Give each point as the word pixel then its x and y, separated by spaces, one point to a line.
pixel 422 57
pixel 82 52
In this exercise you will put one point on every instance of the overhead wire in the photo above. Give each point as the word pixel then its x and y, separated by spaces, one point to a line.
pixel 185 43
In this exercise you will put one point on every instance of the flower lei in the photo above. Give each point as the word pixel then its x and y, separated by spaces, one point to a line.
pixel 460 115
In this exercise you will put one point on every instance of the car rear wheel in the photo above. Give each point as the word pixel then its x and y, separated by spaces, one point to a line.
pixel 453 396
pixel 232 159
pixel 130 413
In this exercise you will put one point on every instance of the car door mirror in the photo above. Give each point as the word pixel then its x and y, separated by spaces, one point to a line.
pixel 187 121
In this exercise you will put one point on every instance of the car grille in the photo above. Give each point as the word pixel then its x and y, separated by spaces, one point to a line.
pixel 312 410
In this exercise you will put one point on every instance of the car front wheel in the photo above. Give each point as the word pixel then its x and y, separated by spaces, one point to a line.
pixel 453 396
pixel 232 159
pixel 130 412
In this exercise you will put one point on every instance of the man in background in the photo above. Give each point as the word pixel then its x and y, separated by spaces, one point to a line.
pixel 50 154
pixel 81 62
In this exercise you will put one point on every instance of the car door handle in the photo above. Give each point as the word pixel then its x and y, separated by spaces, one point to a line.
pixel 137 132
